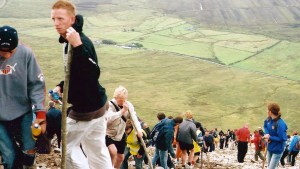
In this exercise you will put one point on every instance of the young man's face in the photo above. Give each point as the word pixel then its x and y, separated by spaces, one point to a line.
pixel 62 20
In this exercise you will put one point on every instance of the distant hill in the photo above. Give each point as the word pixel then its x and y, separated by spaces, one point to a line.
pixel 224 64
pixel 264 16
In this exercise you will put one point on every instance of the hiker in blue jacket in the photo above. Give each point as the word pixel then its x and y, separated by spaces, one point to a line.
pixel 164 140
pixel 276 135
pixel 293 151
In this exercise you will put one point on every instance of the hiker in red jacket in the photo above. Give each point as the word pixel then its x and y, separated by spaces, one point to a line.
pixel 243 135
pixel 258 149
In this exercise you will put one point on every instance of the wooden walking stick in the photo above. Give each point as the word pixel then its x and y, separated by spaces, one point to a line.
pixel 265 155
pixel 142 140
pixel 65 107
pixel 201 155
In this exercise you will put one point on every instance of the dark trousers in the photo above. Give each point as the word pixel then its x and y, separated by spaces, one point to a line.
pixel 54 125
pixel 294 155
pixel 285 153
pixel 242 151
pixel 210 146
pixel 221 144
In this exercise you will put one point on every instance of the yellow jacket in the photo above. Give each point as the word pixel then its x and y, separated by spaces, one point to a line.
pixel 133 143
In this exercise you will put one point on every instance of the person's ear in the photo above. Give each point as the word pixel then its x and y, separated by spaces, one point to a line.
pixel 73 19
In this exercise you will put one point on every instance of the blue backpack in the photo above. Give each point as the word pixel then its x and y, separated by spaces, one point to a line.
pixel 157 132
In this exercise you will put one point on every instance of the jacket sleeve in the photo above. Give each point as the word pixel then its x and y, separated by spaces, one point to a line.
pixel 134 117
pixel 86 60
pixel 111 114
pixel 266 126
pixel 36 84
pixel 61 85
pixel 281 133
pixel 193 133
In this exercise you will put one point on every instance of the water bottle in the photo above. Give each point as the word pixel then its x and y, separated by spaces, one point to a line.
pixel 55 96
pixel 36 131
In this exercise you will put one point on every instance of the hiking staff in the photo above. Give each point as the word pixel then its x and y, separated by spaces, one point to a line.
pixel 64 107
pixel 208 161
pixel 265 155
pixel 142 141
pixel 201 158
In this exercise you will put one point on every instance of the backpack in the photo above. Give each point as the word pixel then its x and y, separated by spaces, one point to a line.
pixel 157 132
pixel 297 146
pixel 261 143
pixel 200 138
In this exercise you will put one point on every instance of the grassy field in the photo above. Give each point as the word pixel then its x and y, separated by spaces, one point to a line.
pixel 226 77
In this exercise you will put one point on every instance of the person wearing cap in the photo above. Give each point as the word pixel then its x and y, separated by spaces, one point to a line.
pixel 21 86
pixel 276 135
pixel 260 131
pixel 86 122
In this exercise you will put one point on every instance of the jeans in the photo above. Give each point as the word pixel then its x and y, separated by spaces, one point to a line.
pixel 273 159
pixel 162 155
pixel 91 135
pixel 138 161
pixel 18 130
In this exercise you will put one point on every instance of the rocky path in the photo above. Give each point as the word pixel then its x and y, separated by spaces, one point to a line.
pixel 219 159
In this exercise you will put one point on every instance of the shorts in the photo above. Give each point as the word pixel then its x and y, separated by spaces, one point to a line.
pixel 120 145
pixel 185 146
pixel 196 154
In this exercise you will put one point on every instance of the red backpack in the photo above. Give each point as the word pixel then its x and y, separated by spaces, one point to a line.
pixel 261 143
pixel 297 146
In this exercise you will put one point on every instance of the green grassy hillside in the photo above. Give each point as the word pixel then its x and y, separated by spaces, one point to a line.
pixel 225 76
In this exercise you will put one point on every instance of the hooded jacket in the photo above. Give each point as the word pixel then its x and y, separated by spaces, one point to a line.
pixel 85 92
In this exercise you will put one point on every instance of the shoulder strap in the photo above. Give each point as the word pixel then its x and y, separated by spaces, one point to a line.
pixel 118 109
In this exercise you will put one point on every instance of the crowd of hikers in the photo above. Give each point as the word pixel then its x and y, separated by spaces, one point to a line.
pixel 177 141
pixel 104 133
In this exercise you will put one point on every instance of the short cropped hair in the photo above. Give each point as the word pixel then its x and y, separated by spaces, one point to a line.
pixel 178 119
pixel 161 116
pixel 198 124
pixel 51 103
pixel 65 4
pixel 120 91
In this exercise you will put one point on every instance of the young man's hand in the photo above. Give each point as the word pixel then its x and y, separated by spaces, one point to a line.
pixel 73 37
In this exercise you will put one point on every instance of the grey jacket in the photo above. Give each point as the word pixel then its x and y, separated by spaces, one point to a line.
pixel 187 132
pixel 21 84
